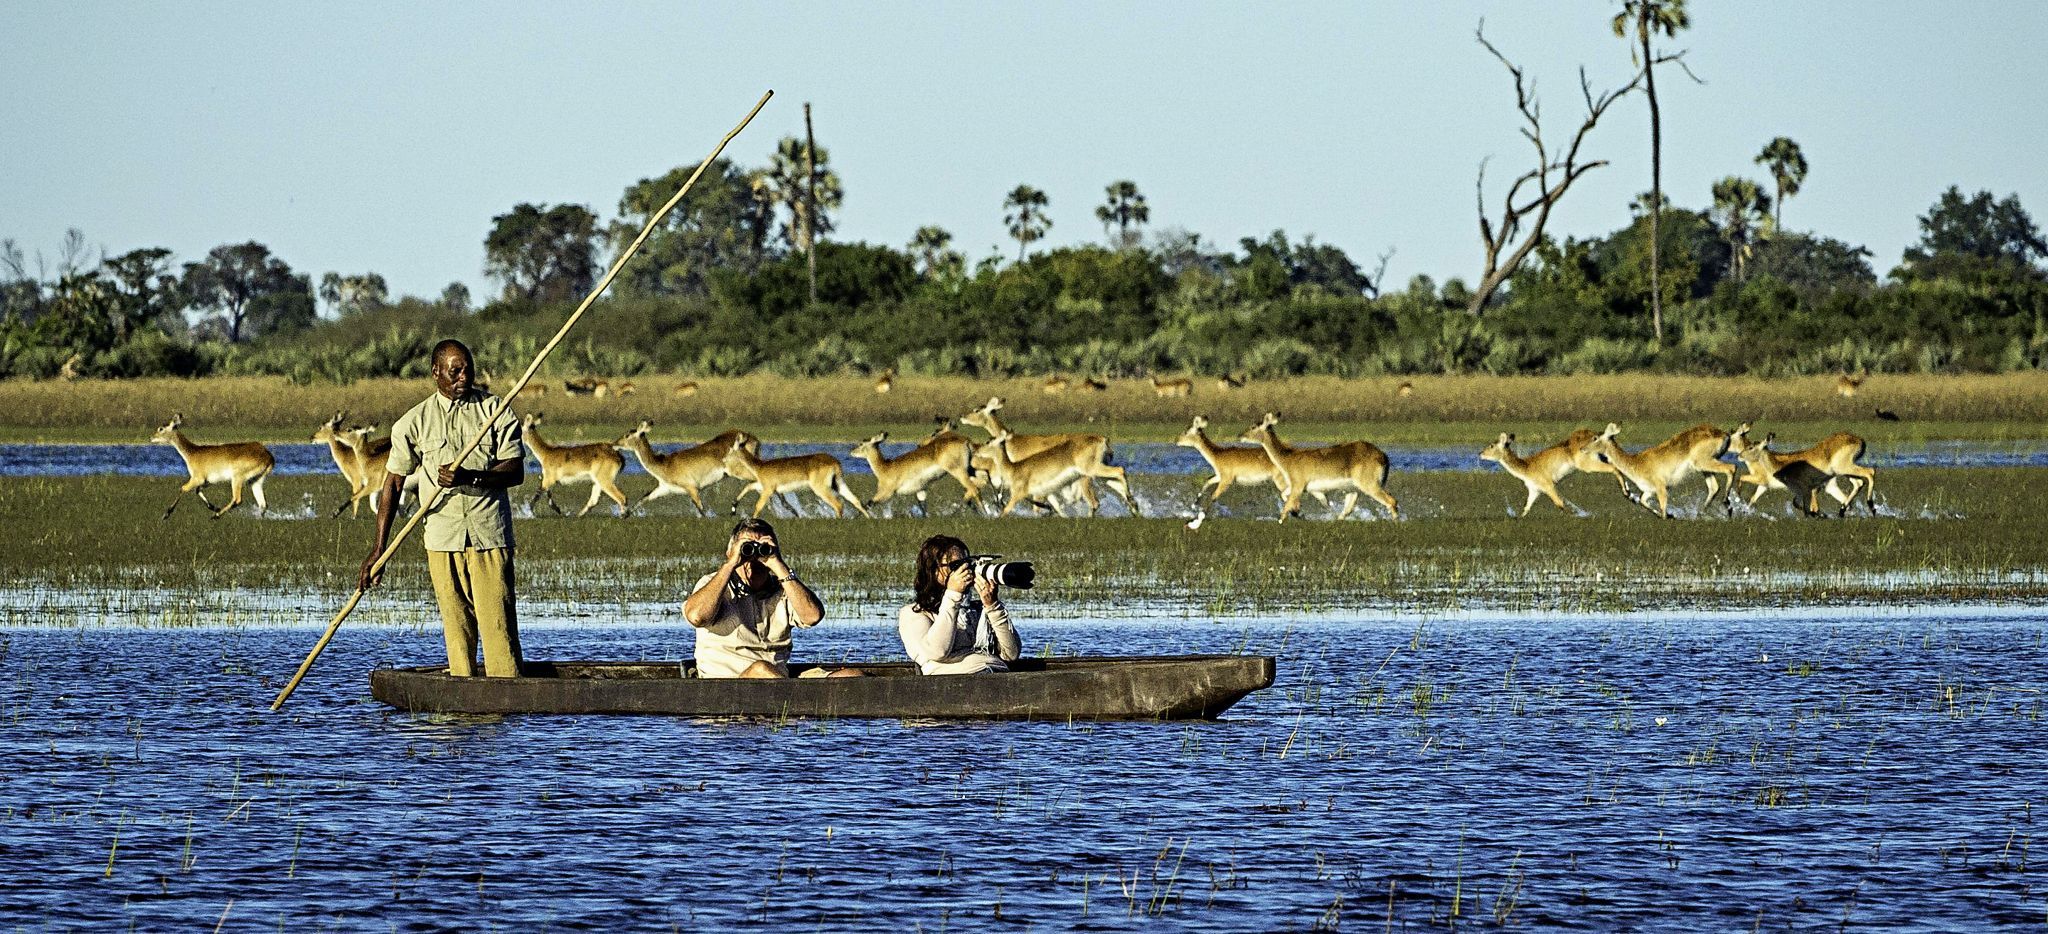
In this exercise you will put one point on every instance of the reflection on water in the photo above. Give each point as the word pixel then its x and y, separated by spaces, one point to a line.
pixel 158 460
pixel 1651 770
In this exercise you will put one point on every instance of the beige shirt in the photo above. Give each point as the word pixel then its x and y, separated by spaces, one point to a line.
pixel 748 629
pixel 429 436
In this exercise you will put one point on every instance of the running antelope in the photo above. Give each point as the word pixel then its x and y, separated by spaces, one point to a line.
pixel 1833 458
pixel 945 453
pixel 237 464
pixel 1404 390
pixel 597 464
pixel 1053 385
pixel 1353 466
pixel 687 387
pixel 1091 452
pixel 373 458
pixel 886 381
pixel 1846 385
pixel 819 473
pixel 1231 464
pixel 1180 387
pixel 1091 384
pixel 1541 472
pixel 688 471
pixel 1230 381
pixel 1040 478
pixel 343 449
pixel 1653 470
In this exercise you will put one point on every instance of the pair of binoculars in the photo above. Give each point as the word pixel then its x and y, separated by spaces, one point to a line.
pixel 749 550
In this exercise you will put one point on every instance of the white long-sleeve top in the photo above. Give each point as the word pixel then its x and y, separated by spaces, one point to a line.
pixel 960 639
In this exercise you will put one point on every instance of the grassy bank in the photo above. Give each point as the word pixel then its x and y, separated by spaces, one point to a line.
pixel 1436 410
pixel 1948 534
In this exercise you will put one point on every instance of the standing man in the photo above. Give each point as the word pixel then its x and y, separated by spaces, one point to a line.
pixel 469 535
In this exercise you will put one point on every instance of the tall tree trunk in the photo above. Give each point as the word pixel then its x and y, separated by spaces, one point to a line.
pixel 1656 179
pixel 811 199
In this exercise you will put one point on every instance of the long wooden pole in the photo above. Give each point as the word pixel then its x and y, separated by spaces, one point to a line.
pixel 505 401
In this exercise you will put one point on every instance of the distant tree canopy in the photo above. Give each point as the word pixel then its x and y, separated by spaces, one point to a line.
pixel 1975 238
pixel 253 292
pixel 543 255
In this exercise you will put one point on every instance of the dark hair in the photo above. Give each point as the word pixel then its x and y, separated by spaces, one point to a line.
pixel 451 344
pixel 930 586
pixel 756 526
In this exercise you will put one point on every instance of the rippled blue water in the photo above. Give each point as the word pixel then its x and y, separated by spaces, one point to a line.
pixel 152 460
pixel 1879 768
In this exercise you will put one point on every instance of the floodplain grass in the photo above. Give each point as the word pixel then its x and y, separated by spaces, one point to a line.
pixel 1440 409
pixel 1943 534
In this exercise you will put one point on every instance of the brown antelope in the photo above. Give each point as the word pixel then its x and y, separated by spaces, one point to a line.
pixel 1404 390
pixel 1833 458
pixel 1231 464
pixel 687 387
pixel 1846 385
pixel 1091 447
pixel 1092 384
pixel 1541 472
pixel 1653 470
pixel 1040 478
pixel 885 382
pixel 1230 381
pixel 587 386
pixel 688 471
pixel 533 391
pixel 1179 387
pixel 626 389
pixel 945 453
pixel 343 450
pixel 1353 466
pixel 373 458
pixel 1584 459
pixel 598 464
pixel 1053 385
pixel 237 464
pixel 819 473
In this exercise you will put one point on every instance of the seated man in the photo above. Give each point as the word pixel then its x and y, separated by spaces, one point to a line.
pixel 744 610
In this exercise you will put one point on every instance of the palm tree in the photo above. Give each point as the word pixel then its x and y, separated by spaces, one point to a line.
pixel 1125 208
pixel 930 245
pixel 1648 17
pixel 1024 214
pixel 1787 166
pixel 1743 211
pixel 785 183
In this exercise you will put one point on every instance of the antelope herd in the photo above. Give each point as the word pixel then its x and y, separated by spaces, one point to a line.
pixel 1052 473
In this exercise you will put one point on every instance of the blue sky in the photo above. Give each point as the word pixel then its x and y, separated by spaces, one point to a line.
pixel 384 137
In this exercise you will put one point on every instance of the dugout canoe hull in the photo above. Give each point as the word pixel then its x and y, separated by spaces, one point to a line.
pixel 1184 687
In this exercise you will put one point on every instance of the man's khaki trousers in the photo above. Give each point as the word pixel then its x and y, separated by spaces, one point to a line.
pixel 474 589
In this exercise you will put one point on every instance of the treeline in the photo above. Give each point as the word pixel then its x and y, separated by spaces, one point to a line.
pixel 724 287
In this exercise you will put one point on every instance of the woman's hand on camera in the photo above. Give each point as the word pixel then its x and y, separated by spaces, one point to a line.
pixel 958 580
pixel 985 587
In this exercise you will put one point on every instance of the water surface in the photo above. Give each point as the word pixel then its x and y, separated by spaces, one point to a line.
pixel 1789 769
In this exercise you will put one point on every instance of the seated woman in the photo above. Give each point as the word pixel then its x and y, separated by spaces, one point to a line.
pixel 946 630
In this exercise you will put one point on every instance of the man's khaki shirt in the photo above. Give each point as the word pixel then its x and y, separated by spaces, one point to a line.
pixel 429 436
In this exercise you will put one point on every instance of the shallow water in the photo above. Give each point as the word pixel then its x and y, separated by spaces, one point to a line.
pixel 1674 771
pixel 156 460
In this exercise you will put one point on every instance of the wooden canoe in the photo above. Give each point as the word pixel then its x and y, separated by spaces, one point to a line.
pixel 1182 687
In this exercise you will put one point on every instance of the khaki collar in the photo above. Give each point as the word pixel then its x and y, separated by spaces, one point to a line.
pixel 472 397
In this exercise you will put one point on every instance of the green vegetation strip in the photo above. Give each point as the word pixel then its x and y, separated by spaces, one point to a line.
pixel 1436 410
pixel 1956 534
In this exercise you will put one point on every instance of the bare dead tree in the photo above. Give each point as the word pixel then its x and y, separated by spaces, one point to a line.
pixel 1379 274
pixel 1523 216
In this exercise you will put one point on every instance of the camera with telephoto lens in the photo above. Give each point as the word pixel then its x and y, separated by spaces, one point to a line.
pixel 750 549
pixel 1018 574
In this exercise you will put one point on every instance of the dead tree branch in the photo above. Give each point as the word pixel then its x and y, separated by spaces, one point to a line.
pixel 1522 217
